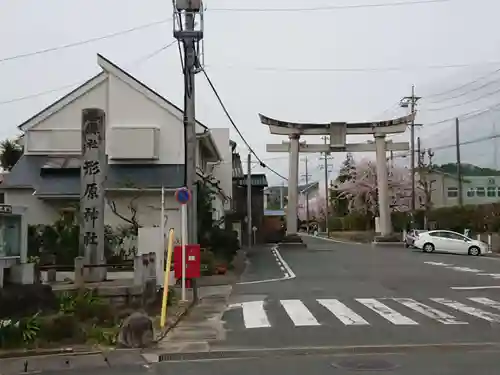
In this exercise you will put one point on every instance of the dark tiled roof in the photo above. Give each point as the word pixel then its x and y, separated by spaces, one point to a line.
pixel 26 174
pixel 258 179
pixel 237 168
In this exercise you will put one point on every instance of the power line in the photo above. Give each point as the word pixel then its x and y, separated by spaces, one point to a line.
pixel 464 103
pixel 262 164
pixel 466 92
pixel 463 85
pixel 353 70
pixel 42 93
pixel 472 141
pixel 86 41
pixel 330 7
pixel 467 115
pixel 276 69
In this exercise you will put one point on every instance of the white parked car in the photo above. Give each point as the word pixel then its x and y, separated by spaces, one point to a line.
pixel 450 242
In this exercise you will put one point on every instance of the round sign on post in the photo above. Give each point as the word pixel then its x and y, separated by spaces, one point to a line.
pixel 183 195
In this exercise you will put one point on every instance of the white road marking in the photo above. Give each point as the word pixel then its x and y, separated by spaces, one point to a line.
pixel 332 240
pixel 490 317
pixel 428 311
pixel 342 312
pixel 475 287
pixel 299 313
pixel 287 274
pixel 486 301
pixel 438 264
pixel 386 312
pixel 254 315
pixel 493 275
pixel 466 269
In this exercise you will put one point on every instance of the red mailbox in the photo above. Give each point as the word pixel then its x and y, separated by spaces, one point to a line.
pixel 193 263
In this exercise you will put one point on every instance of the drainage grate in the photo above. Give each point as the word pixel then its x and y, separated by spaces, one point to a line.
pixel 365 364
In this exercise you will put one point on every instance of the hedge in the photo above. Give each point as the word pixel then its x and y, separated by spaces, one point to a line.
pixel 477 218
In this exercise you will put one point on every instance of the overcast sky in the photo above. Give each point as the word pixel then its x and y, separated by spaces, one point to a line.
pixel 356 48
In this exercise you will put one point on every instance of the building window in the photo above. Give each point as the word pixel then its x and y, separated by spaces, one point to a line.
pixel 491 191
pixel 480 191
pixel 471 192
pixel 452 192
pixel 2 198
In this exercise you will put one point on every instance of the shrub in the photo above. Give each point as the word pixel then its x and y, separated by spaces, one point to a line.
pixel 19 333
pixel 60 327
pixel 208 262
pixel 224 243
pixel 24 300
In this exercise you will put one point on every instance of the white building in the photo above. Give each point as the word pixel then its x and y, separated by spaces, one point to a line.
pixel 144 144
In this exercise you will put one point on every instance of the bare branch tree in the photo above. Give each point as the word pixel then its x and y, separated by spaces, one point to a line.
pixel 131 216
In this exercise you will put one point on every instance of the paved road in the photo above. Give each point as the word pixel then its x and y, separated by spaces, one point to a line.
pixel 344 294
pixel 440 363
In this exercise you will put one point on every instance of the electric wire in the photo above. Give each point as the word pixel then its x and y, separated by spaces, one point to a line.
pixel 50 91
pixel 261 162
pixel 86 41
pixel 330 7
pixel 464 103
pixel 462 85
pixel 352 70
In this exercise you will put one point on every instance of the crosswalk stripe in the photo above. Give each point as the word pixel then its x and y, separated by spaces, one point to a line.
pixel 490 317
pixel 298 312
pixel 386 312
pixel 254 315
pixel 342 312
pixel 419 307
pixel 486 301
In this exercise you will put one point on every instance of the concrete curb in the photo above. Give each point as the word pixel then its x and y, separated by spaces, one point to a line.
pixel 390 244
pixel 177 319
pixel 253 353
pixel 16 354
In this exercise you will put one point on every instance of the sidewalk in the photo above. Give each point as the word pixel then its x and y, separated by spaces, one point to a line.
pixel 196 330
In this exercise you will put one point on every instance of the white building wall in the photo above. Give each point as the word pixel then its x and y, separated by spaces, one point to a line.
pixel 148 208
pixel 218 206
pixel 224 171
pixel 129 107
pixel 38 211
pixel 123 106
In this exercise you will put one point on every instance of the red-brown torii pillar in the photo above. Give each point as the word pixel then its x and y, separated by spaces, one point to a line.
pixel 338 132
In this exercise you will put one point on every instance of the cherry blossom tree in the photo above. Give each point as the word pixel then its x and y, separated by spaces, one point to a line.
pixel 360 189
pixel 317 207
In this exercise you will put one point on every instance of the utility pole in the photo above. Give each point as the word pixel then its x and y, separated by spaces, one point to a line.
pixel 187 10
pixel 326 157
pixel 249 200
pixel 419 151
pixel 307 192
pixel 459 168
pixel 411 101
pixel 282 195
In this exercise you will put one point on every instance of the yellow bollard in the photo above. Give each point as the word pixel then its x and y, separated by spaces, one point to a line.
pixel 170 249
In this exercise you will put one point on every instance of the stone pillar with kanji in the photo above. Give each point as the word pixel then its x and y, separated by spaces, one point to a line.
pixel 92 203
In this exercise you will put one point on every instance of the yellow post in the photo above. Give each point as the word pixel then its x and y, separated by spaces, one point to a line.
pixel 170 249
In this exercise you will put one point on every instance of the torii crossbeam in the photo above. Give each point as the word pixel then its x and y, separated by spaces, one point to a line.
pixel 338 132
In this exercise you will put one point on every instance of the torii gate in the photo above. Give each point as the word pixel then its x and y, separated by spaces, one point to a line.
pixel 337 132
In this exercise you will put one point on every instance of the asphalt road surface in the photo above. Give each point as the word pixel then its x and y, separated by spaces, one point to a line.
pixel 437 363
pixel 337 294
pixel 337 308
